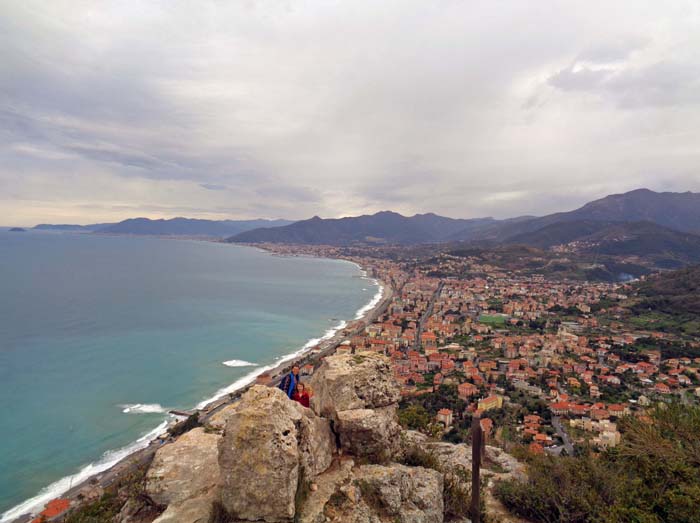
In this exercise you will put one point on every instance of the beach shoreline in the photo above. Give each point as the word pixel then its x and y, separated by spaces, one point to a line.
pixel 143 449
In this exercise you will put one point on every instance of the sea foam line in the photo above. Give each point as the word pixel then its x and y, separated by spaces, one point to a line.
pixel 373 302
pixel 57 488
pixel 239 363
pixel 142 408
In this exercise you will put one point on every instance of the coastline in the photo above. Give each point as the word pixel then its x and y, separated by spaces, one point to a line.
pixel 120 461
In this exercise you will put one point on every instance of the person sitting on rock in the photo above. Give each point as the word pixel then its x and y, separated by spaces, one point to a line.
pixel 302 394
pixel 289 382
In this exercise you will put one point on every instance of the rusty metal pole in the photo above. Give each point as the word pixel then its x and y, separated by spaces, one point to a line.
pixel 475 511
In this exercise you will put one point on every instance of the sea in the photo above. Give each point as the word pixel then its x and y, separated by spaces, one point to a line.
pixel 100 336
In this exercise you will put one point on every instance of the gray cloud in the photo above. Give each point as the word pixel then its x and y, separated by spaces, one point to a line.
pixel 580 80
pixel 270 108
pixel 614 50
pixel 658 84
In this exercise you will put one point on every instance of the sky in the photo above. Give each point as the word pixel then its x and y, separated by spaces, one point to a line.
pixel 287 109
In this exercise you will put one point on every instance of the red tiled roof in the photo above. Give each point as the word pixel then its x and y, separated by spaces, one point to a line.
pixel 53 508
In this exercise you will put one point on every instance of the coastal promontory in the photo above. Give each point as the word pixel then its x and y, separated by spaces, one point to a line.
pixel 345 459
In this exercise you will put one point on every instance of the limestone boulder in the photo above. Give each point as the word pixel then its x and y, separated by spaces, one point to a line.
pixel 316 443
pixel 504 463
pixel 218 420
pixel 370 433
pixel 269 446
pixel 413 437
pixel 194 510
pixel 313 508
pixel 380 494
pixel 185 469
pixel 414 494
pixel 451 456
pixel 353 381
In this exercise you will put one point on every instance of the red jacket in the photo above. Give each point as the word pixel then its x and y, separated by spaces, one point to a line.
pixel 302 398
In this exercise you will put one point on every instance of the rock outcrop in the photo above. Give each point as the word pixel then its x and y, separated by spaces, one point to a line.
pixel 313 509
pixel 353 381
pixel 372 433
pixel 266 458
pixel 375 494
pixel 388 493
pixel 360 395
pixel 184 476
pixel 218 420
pixel 269 447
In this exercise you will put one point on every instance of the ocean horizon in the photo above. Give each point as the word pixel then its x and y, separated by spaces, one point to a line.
pixel 101 335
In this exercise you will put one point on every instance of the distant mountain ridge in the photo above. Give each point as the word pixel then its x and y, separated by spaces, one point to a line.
pixel 170 227
pixel 380 228
pixel 677 211
pixel 70 227
pixel 188 227
pixel 662 227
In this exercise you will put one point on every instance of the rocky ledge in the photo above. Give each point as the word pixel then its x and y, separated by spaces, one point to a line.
pixel 269 459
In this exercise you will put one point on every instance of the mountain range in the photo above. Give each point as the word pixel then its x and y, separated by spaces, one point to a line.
pixel 641 222
pixel 664 226
pixel 65 227
pixel 677 211
pixel 380 228
pixel 171 227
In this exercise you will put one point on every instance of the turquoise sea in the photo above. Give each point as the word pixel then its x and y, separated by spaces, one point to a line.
pixel 101 335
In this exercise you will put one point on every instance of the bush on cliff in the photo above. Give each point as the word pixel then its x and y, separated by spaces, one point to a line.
pixel 652 477
pixel 128 488
pixel 185 426
pixel 457 490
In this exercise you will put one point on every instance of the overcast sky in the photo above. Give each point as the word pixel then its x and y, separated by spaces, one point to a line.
pixel 246 109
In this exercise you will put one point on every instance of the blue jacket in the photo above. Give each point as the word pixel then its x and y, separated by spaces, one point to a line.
pixel 288 384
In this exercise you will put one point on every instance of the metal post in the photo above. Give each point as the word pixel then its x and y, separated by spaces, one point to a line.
pixel 476 466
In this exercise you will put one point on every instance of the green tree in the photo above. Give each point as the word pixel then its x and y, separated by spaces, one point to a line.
pixel 414 417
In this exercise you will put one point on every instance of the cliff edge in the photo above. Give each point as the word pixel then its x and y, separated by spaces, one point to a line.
pixel 346 459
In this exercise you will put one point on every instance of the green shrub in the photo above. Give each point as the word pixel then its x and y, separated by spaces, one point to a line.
pixel 185 426
pixel 130 486
pixel 457 494
pixel 414 417
pixel 652 477
pixel 415 456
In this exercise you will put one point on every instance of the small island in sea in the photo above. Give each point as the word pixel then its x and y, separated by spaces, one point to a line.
pixel 17 229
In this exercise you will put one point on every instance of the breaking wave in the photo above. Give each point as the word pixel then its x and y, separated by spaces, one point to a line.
pixel 142 408
pixel 239 363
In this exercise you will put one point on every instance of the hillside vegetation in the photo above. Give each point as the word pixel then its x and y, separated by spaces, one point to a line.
pixel 673 292
pixel 652 477
pixel 669 302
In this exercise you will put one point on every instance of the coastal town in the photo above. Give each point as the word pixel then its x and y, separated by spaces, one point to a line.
pixel 547 365
pixel 551 365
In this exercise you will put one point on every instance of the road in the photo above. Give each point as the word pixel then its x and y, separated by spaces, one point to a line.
pixel 556 423
pixel 428 312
